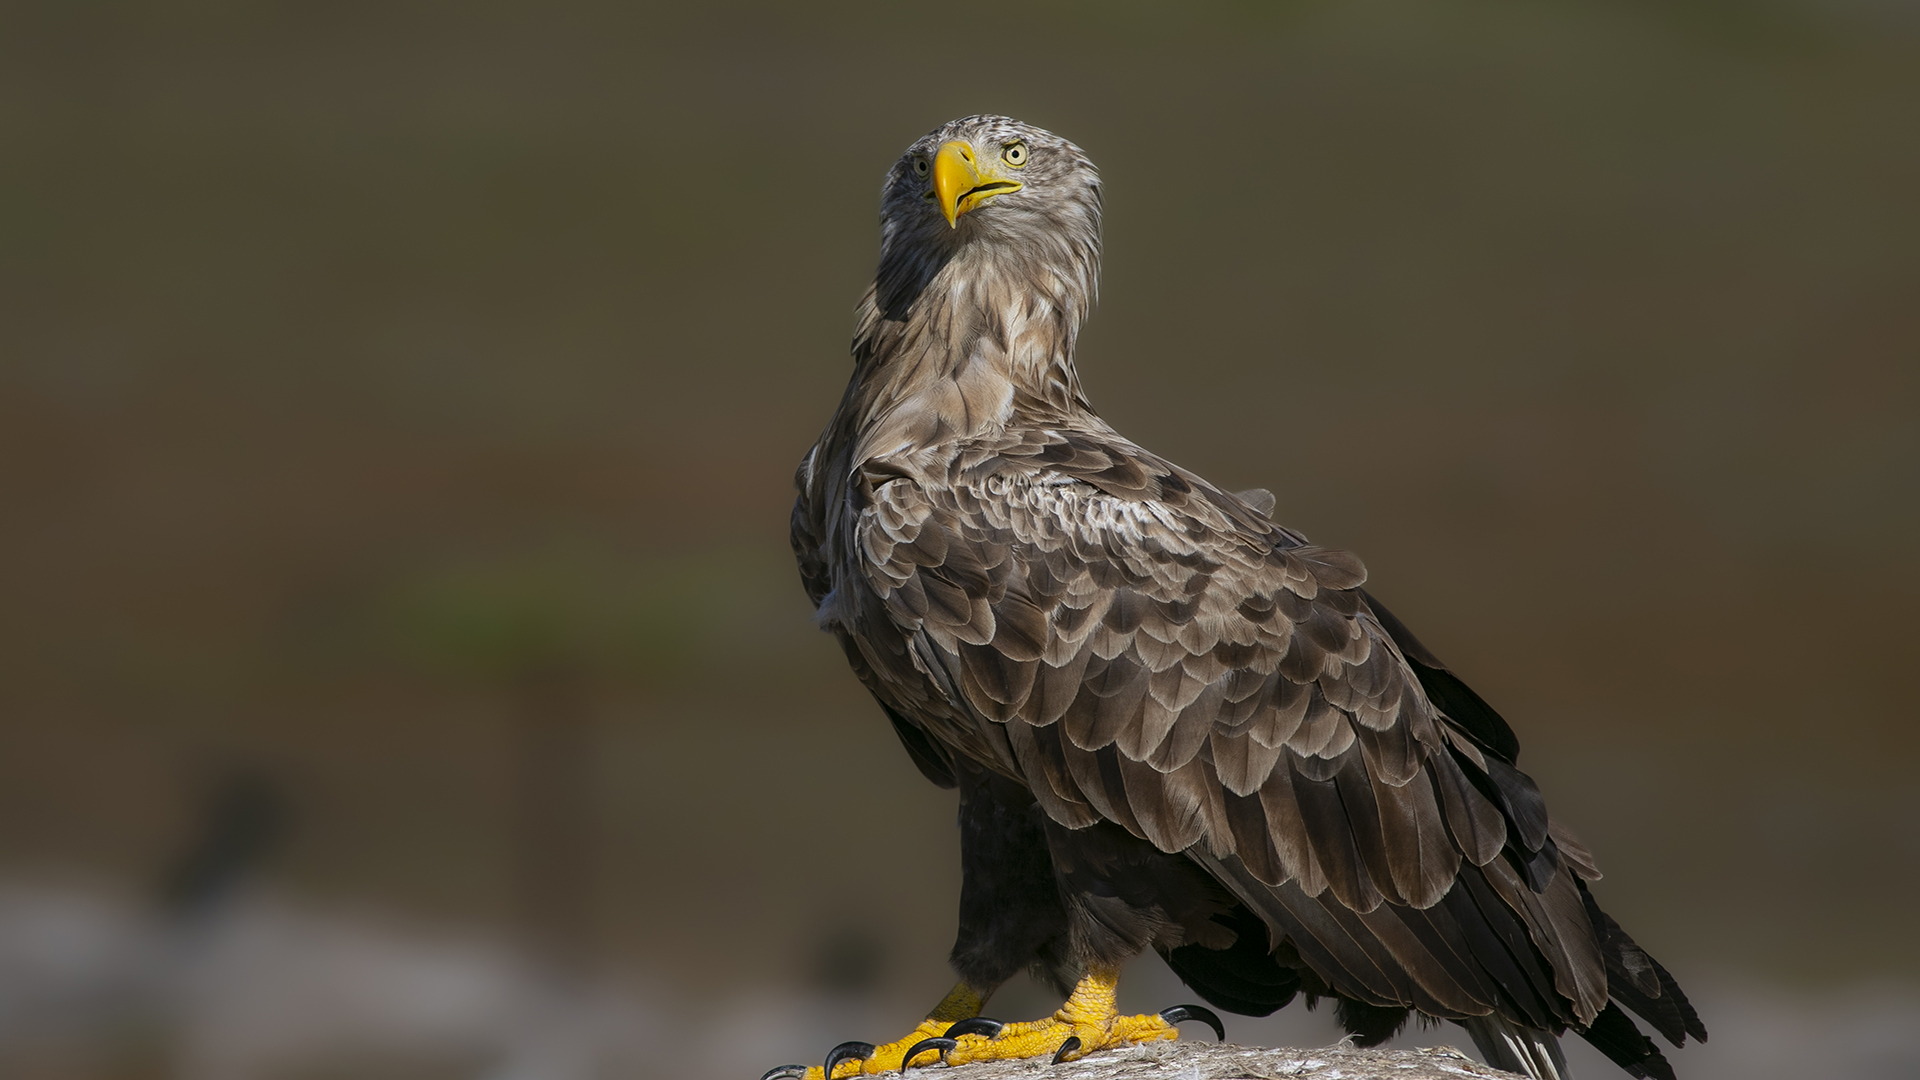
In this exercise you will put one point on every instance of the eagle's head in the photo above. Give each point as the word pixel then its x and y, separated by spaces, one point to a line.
pixel 996 194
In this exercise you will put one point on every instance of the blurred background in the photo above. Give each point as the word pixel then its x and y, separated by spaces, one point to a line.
pixel 402 669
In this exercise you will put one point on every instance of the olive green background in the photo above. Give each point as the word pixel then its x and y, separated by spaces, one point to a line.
pixel 392 395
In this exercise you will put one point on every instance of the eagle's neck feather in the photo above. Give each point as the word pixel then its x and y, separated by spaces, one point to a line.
pixel 984 343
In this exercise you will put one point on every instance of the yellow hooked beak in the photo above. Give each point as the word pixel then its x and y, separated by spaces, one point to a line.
pixel 960 184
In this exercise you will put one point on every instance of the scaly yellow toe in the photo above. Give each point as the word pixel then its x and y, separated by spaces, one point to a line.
pixel 1088 1016
pixel 1044 1038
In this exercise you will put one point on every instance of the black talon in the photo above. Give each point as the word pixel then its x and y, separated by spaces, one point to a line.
pixel 1196 1012
pixel 784 1070
pixel 979 1025
pixel 1068 1047
pixel 936 1043
pixel 847 1051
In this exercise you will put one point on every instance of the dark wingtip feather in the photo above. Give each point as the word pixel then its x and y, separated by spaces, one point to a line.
pixel 1636 980
pixel 1614 1034
pixel 1671 991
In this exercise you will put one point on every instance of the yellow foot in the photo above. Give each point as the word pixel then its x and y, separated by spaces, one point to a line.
pixel 1086 1023
pixel 865 1059
pixel 1061 1037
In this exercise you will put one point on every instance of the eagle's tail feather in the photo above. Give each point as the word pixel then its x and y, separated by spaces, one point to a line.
pixel 1518 1048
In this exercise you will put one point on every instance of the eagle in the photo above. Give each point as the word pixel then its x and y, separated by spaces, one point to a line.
pixel 1173 723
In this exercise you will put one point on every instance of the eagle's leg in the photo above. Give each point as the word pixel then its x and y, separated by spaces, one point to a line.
pixel 1011 919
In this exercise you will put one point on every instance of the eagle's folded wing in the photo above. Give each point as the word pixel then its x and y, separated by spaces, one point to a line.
pixel 1218 689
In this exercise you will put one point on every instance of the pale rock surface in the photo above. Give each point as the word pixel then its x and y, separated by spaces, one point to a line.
pixel 1199 1060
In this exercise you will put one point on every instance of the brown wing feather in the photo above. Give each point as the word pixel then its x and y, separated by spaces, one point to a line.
pixel 1154 653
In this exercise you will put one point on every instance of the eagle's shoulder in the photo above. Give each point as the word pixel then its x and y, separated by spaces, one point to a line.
pixel 1056 480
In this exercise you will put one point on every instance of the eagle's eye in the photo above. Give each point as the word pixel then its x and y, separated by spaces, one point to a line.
pixel 1014 153
pixel 919 166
